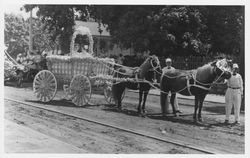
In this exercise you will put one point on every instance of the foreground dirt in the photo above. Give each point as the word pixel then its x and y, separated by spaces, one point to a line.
pixel 90 137
pixel 211 134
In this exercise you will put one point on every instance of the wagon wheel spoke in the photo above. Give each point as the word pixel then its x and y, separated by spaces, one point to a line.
pixel 76 101
pixel 85 99
pixel 80 89
pixel 50 79
pixel 44 86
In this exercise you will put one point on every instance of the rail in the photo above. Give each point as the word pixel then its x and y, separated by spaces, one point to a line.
pixel 166 139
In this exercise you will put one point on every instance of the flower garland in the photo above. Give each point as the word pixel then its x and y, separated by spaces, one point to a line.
pixel 109 78
pixel 58 58
pixel 81 30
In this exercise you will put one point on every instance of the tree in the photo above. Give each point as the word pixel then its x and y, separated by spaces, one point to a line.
pixel 159 29
pixel 225 26
pixel 181 30
pixel 15 34
pixel 59 20
pixel 163 30
pixel 128 25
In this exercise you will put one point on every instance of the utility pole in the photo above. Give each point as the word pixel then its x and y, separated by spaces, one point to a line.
pixel 30 33
pixel 99 40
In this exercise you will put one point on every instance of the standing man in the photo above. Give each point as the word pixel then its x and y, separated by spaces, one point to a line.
pixel 234 95
pixel 173 96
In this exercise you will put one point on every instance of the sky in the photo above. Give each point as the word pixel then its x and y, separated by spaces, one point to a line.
pixel 15 9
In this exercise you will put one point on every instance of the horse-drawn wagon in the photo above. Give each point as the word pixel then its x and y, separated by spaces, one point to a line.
pixel 77 71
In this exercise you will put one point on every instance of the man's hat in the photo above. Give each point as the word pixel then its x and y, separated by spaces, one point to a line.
pixel 168 60
pixel 235 66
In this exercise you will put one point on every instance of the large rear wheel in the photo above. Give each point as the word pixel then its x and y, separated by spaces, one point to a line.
pixel 45 86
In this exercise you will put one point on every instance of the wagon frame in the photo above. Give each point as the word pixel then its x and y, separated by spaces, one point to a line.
pixel 77 74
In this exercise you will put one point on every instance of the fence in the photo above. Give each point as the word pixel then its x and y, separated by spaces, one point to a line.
pixel 191 62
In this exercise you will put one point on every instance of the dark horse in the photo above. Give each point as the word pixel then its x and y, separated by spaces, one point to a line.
pixel 145 72
pixel 192 82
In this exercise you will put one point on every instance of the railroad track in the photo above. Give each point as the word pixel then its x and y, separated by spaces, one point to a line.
pixel 165 139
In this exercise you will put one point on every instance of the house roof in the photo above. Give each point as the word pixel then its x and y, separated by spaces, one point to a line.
pixel 93 26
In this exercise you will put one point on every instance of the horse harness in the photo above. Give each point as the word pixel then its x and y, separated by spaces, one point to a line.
pixel 192 81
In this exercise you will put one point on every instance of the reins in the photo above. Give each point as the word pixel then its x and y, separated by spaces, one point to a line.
pixel 154 68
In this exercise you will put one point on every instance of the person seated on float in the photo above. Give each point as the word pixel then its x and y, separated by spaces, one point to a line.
pixel 80 52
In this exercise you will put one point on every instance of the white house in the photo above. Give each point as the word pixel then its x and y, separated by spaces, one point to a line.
pixel 103 45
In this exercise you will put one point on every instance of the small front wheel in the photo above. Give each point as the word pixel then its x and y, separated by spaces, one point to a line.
pixel 80 90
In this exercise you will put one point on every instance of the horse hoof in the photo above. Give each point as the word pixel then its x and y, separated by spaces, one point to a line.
pixel 200 119
pixel 195 120
pixel 176 115
pixel 144 115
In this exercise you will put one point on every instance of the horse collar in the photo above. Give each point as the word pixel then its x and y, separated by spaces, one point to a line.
pixel 198 84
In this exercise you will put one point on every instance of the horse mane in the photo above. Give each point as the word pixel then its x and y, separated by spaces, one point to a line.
pixel 145 67
pixel 204 72
pixel 206 66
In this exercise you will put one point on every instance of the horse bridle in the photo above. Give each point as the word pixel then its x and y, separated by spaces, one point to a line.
pixel 152 65
pixel 154 68
pixel 214 82
pixel 219 76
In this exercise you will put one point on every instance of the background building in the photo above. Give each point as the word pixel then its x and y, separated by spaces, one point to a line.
pixel 103 44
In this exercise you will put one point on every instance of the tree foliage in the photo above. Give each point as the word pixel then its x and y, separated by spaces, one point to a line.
pixel 162 30
pixel 15 33
pixel 225 27
pixel 182 30
pixel 59 20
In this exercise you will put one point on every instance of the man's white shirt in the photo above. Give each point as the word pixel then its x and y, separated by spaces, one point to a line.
pixel 235 82
pixel 167 68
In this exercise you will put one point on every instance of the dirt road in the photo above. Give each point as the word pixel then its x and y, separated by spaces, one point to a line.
pixel 97 139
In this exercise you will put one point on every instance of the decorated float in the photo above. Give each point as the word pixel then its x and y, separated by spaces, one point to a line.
pixel 77 71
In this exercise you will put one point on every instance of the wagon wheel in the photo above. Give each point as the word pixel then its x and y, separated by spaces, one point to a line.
pixel 107 90
pixel 45 86
pixel 80 90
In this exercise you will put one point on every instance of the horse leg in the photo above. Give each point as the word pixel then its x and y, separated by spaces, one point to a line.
pixel 117 91
pixel 172 99
pixel 164 100
pixel 195 108
pixel 200 108
pixel 144 101
pixel 140 100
